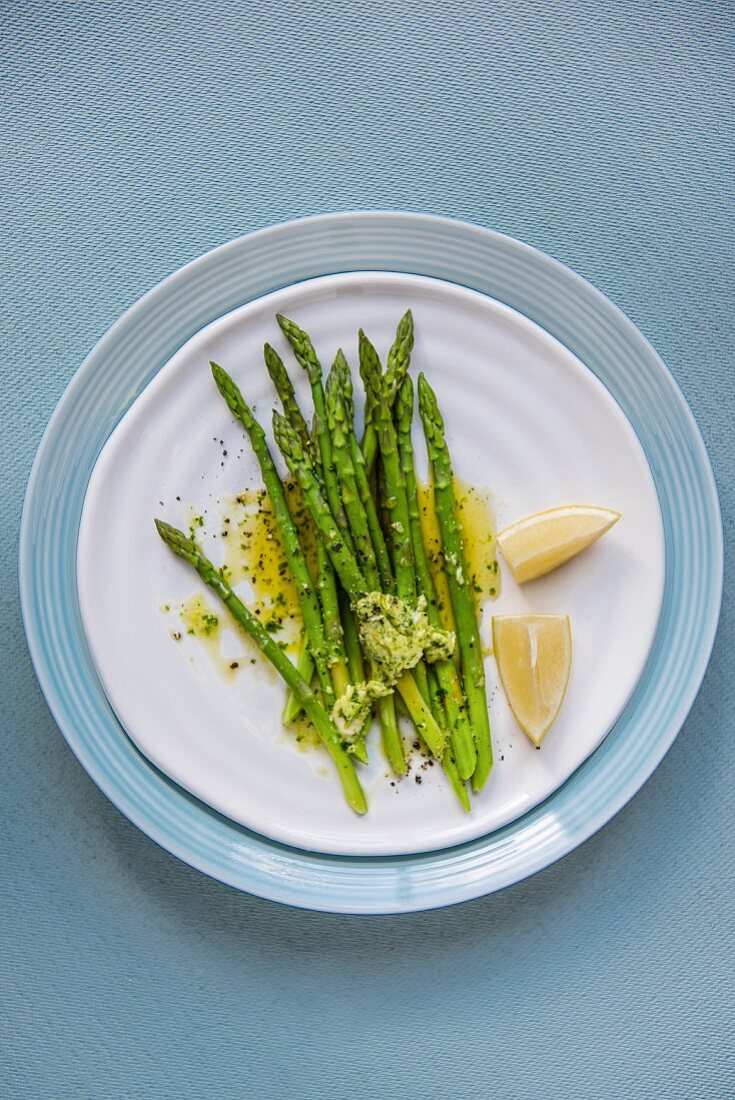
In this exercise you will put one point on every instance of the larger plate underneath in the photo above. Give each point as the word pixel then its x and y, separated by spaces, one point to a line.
pixel 146 338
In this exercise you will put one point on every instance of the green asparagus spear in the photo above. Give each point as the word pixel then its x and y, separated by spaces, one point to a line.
pixel 465 615
pixel 402 501
pixel 307 358
pixel 355 668
pixel 400 537
pixel 306 668
pixel 396 503
pixel 284 389
pixel 446 671
pixel 376 386
pixel 326 583
pixel 340 430
pixel 345 473
pixel 448 762
pixel 297 563
pixel 338 614
pixel 187 549
pixel 302 469
pixel 371 373
pixel 399 357
pixel 385 571
pixel 345 375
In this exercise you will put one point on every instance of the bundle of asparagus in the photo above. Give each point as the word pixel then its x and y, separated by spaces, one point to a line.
pixel 372 622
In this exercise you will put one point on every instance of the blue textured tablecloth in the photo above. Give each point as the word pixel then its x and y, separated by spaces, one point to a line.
pixel 136 136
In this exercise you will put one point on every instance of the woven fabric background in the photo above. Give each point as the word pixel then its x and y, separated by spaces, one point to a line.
pixel 136 135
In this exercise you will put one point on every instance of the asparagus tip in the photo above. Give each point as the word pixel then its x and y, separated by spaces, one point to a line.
pixel 180 543
pixel 219 374
pixel 427 397
pixel 286 325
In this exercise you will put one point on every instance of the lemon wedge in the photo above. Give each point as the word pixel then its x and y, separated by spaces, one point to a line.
pixel 534 658
pixel 541 542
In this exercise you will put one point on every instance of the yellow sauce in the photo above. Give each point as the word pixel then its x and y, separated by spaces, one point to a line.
pixel 476 520
pixel 304 734
pixel 199 619
pixel 204 622
pixel 254 556
pixel 254 553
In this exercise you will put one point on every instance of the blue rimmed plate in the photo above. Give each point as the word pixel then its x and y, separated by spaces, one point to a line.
pixel 146 338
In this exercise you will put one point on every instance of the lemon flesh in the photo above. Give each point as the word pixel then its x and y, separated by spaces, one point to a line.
pixel 539 543
pixel 534 658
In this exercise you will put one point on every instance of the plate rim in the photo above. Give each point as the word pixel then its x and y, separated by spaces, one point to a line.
pixel 284 889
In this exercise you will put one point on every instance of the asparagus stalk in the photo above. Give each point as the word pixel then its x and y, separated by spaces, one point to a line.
pixel 187 549
pixel 284 388
pixel 326 583
pixel 390 734
pixel 463 606
pixel 302 469
pixel 397 509
pixel 355 668
pixel 307 358
pixel 352 641
pixel 449 762
pixel 371 373
pixel 421 714
pixel 399 358
pixel 306 669
pixel 380 547
pixel 446 671
pixel 396 503
pixel 346 475
pixel 294 555
pixel 337 419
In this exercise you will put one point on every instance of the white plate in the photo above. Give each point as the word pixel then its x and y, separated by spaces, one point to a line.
pixel 525 418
